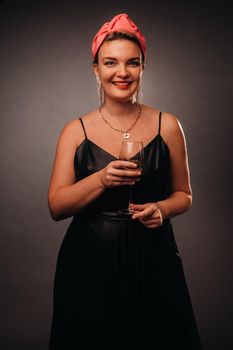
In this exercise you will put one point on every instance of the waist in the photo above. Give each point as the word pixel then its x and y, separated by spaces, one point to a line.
pixel 107 215
pixel 103 214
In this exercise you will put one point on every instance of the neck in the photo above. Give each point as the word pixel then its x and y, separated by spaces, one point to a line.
pixel 122 109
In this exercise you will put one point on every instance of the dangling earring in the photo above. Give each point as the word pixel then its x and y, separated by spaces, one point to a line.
pixel 137 97
pixel 99 90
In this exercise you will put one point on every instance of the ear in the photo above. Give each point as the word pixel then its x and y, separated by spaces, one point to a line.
pixel 96 69
pixel 141 73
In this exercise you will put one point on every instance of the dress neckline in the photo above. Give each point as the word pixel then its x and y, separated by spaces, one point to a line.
pixel 86 139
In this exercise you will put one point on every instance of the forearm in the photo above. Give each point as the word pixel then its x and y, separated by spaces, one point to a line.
pixel 68 201
pixel 178 203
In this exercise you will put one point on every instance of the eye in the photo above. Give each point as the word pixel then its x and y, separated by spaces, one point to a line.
pixel 134 63
pixel 109 63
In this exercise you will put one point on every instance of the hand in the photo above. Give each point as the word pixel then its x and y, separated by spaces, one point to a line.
pixel 120 172
pixel 148 214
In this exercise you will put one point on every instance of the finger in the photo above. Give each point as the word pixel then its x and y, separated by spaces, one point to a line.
pixel 143 214
pixel 122 179
pixel 138 207
pixel 151 224
pixel 125 173
pixel 128 183
pixel 124 164
pixel 148 219
pixel 153 217
pixel 116 184
pixel 128 179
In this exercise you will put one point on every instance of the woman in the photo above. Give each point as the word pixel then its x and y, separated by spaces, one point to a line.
pixel 119 280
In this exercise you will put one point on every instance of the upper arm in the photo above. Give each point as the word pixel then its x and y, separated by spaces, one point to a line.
pixel 63 168
pixel 175 139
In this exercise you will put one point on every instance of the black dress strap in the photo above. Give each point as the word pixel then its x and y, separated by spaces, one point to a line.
pixel 83 127
pixel 160 115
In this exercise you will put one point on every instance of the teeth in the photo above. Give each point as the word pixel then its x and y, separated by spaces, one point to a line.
pixel 123 83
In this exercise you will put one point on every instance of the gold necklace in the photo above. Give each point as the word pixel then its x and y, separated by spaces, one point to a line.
pixel 125 133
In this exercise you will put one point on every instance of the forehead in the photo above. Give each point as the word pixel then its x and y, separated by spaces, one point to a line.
pixel 119 48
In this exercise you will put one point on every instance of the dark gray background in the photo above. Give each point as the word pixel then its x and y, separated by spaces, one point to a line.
pixel 46 80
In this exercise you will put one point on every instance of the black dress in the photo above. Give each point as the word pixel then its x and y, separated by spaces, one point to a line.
pixel 118 284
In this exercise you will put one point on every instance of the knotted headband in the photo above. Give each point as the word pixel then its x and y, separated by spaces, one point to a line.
pixel 121 22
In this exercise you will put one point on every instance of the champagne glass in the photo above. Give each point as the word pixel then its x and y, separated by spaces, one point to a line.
pixel 131 151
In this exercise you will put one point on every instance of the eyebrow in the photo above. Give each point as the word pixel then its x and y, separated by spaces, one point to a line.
pixel 115 59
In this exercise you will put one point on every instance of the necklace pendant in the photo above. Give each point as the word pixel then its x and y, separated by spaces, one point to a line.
pixel 126 135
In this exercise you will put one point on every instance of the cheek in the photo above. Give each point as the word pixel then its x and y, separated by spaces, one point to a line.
pixel 106 75
pixel 136 74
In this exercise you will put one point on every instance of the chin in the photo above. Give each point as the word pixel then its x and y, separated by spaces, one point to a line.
pixel 120 98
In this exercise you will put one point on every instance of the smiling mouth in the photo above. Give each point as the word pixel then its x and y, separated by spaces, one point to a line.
pixel 122 84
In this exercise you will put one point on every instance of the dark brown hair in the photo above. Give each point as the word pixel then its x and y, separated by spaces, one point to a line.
pixel 120 35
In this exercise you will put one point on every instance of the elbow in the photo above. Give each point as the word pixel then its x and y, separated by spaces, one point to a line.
pixel 55 216
pixel 189 201
pixel 54 211
pixel 184 201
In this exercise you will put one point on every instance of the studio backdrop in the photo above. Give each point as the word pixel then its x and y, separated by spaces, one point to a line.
pixel 47 80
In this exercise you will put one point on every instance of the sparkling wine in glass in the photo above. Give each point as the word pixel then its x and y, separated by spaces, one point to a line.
pixel 131 151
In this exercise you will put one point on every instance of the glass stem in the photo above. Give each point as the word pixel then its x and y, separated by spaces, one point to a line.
pixel 130 194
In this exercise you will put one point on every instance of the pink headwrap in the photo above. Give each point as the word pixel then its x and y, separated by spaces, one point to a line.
pixel 121 22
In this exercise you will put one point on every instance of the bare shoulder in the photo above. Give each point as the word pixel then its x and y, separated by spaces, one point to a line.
pixel 73 131
pixel 170 125
pixel 169 121
pixel 171 128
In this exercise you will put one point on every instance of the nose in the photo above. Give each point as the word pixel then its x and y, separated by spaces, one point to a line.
pixel 123 72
